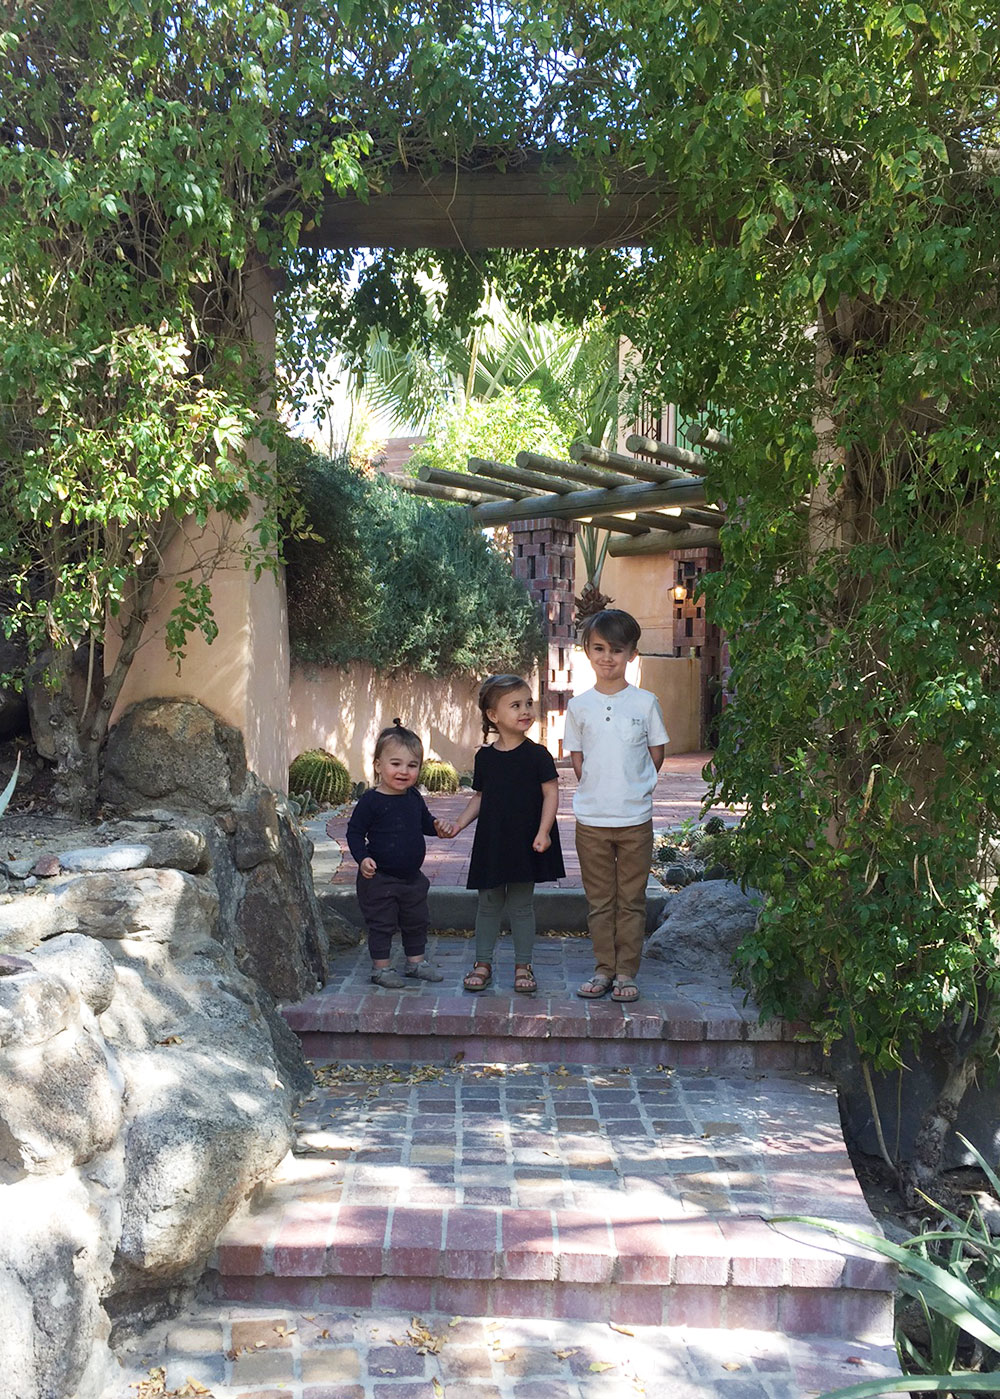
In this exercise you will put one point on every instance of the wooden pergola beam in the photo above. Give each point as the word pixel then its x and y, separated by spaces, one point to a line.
pixel 631 466
pixel 466 480
pixel 454 494
pixel 710 437
pixel 571 470
pixel 575 504
pixel 694 538
pixel 517 477
pixel 666 451
pixel 526 207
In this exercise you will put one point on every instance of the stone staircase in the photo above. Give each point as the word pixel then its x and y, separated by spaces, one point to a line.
pixel 550 1159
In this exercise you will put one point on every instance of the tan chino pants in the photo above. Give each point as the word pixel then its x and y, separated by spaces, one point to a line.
pixel 614 863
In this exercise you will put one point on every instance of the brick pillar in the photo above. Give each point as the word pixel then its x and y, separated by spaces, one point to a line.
pixel 544 559
pixel 693 635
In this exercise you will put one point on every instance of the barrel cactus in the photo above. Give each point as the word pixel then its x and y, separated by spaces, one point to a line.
pixel 438 777
pixel 320 774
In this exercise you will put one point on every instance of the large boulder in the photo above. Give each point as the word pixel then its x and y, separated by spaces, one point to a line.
pixel 60 1101
pixel 175 754
pixel 147 1083
pixel 57 1242
pixel 704 925
pixel 268 915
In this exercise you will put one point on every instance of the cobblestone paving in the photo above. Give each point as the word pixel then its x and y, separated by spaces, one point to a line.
pixel 561 963
pixel 669 1145
pixel 269 1353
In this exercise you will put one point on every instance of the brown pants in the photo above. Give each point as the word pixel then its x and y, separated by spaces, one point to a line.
pixel 614 863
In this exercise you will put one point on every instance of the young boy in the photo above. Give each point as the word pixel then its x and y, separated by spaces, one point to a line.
pixel 615 736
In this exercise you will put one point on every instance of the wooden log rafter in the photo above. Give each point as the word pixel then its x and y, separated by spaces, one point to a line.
pixel 631 466
pixel 575 504
pixel 654 516
pixel 703 436
pixel 692 462
pixel 697 537
pixel 469 481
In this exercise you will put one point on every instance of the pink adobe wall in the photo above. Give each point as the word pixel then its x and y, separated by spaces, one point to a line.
pixel 243 674
pixel 343 709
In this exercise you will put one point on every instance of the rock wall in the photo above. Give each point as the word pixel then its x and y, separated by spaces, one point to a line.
pixel 146 1080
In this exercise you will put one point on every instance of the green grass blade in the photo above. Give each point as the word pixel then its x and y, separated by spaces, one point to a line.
pixel 969 1383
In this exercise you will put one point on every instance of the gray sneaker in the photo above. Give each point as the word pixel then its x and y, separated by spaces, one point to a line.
pixel 388 978
pixel 424 971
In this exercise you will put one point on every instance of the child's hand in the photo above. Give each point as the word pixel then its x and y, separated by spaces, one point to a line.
pixel 541 843
pixel 367 867
pixel 445 830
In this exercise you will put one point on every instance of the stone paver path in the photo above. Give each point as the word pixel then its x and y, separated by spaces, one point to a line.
pixel 537 1197
pixel 243 1352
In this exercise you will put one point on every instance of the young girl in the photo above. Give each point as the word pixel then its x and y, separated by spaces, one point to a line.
pixel 386 836
pixel 516 842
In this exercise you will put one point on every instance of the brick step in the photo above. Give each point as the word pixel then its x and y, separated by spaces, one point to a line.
pixel 428 1026
pixel 685 1020
pixel 635 1196
pixel 736 1273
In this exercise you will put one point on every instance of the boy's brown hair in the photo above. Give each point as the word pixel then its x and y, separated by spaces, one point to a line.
pixel 614 626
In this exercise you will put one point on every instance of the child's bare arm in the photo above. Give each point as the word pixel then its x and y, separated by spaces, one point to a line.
pixel 656 751
pixel 469 814
pixel 576 758
pixel 550 805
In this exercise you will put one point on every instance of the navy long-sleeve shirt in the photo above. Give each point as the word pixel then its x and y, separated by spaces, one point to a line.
pixel 391 830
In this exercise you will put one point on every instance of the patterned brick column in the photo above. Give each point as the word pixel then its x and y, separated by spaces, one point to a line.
pixel 694 635
pixel 544 559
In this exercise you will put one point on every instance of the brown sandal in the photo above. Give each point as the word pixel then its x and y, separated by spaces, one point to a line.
pixel 524 978
pixel 597 986
pixel 477 980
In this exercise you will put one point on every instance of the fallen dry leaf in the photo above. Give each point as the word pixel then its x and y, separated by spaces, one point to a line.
pixel 564 1354
pixel 599 1366
pixel 438 1387
pixel 623 1329
pixel 731 1365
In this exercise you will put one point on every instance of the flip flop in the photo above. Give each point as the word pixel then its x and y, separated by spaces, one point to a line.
pixel 624 989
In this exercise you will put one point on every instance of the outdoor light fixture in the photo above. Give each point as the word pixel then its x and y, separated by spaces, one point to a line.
pixel 680 592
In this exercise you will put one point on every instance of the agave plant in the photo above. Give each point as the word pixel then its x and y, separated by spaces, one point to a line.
pixel 952 1302
pixel 8 791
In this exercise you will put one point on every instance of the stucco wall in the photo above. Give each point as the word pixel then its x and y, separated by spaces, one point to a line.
pixel 342 710
pixel 641 584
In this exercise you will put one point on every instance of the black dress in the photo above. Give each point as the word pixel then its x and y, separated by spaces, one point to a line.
pixel 511 785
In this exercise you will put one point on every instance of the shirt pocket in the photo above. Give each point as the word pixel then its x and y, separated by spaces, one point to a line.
pixel 631 731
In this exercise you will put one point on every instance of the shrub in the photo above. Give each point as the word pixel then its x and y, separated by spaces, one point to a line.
pixel 439 777
pixel 320 775
pixel 400 582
